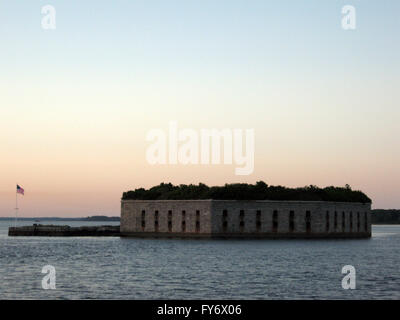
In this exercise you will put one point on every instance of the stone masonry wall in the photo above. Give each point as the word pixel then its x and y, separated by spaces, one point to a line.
pixel 321 217
pixel 229 218
pixel 189 211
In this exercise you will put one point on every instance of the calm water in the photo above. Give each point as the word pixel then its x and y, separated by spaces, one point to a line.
pixel 114 268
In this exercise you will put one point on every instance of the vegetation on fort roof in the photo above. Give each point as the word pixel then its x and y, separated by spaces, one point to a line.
pixel 244 191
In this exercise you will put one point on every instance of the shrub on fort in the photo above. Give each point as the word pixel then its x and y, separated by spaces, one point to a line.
pixel 244 191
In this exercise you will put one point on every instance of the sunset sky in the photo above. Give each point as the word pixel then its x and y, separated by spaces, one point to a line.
pixel 76 102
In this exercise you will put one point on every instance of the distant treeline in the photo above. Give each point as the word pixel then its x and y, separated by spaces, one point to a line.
pixel 244 191
pixel 101 218
pixel 380 216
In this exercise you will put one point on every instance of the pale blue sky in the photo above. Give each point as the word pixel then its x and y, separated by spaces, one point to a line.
pixel 324 102
pixel 222 37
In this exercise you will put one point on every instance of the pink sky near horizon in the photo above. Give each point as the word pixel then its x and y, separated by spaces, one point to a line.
pixel 80 196
pixel 81 149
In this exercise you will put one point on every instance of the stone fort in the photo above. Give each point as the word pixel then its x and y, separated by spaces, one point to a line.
pixel 245 219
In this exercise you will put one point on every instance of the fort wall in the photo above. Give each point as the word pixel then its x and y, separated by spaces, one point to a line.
pixel 245 219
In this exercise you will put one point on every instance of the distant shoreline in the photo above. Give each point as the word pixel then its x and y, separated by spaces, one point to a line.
pixel 385 223
pixel 379 217
pixel 92 218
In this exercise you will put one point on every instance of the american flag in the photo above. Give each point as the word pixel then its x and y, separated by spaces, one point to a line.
pixel 20 190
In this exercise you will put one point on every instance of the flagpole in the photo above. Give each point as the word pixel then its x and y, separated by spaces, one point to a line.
pixel 16 206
